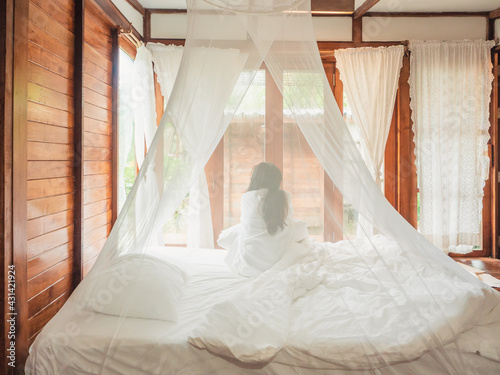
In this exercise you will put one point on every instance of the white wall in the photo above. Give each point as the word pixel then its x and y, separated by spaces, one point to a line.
pixel 132 15
pixel 375 29
pixel 337 29
pixel 497 29
pixel 381 29
pixel 174 26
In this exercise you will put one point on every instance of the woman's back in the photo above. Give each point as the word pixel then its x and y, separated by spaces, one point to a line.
pixel 265 231
pixel 258 247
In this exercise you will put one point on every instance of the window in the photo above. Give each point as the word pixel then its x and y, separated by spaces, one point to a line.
pixel 350 214
pixel 303 175
pixel 263 129
pixel 127 166
pixel 244 147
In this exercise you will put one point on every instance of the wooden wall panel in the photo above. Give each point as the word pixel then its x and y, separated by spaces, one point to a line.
pixel 47 169
pixel 97 140
pixel 49 223
pixel 37 55
pixel 50 154
pixel 51 293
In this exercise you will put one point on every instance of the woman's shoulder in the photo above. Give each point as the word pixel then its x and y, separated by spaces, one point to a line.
pixel 254 194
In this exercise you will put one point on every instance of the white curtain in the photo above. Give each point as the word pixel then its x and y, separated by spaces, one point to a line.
pixel 370 77
pixel 143 101
pixel 450 87
pixel 144 112
pixel 167 60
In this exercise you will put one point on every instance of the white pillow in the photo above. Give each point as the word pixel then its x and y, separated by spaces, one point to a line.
pixel 139 286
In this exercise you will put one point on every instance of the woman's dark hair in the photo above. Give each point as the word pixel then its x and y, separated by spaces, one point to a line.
pixel 274 207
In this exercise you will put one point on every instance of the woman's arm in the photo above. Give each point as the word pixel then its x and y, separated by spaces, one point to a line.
pixel 229 236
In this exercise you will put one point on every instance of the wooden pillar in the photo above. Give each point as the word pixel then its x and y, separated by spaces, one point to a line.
pixel 274 122
pixel 333 201
pixel 357 30
pixel 115 55
pixel 338 199
pixel 494 113
pixel 407 168
pixel 391 162
pixel 159 99
pixel 214 170
pixel 20 167
pixel 147 25
pixel 78 142
pixel 13 189
pixel 6 61
pixel 489 229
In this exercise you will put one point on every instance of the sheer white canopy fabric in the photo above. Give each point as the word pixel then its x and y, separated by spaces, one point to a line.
pixel 143 99
pixel 450 87
pixel 226 45
pixel 167 60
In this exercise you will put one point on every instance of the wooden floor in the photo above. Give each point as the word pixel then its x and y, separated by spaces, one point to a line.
pixel 488 265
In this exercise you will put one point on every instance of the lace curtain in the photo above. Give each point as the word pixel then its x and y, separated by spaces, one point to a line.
pixel 450 86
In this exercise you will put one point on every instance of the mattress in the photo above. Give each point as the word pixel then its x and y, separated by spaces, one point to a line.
pixel 80 341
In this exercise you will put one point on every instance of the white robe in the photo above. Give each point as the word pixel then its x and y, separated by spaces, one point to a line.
pixel 252 249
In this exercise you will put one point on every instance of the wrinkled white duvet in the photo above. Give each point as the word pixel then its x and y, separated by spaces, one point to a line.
pixel 351 307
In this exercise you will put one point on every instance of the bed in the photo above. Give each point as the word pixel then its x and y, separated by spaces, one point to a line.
pixel 77 341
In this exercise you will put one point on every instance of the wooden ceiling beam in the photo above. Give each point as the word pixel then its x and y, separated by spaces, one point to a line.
pixel 494 14
pixel 364 8
pixel 166 11
pixel 331 6
pixel 426 14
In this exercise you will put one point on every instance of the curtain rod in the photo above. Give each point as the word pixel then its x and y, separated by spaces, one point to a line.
pixel 130 36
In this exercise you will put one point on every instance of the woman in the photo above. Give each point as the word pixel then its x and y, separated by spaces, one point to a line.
pixel 266 230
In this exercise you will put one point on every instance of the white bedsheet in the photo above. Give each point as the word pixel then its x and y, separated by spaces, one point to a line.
pixel 77 341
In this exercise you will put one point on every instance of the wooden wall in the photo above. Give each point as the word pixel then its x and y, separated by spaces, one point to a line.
pixel 50 157
pixel 97 142
pixel 58 99
pixel 51 209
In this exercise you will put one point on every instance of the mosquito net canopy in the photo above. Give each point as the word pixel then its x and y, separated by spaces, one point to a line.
pixel 394 296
